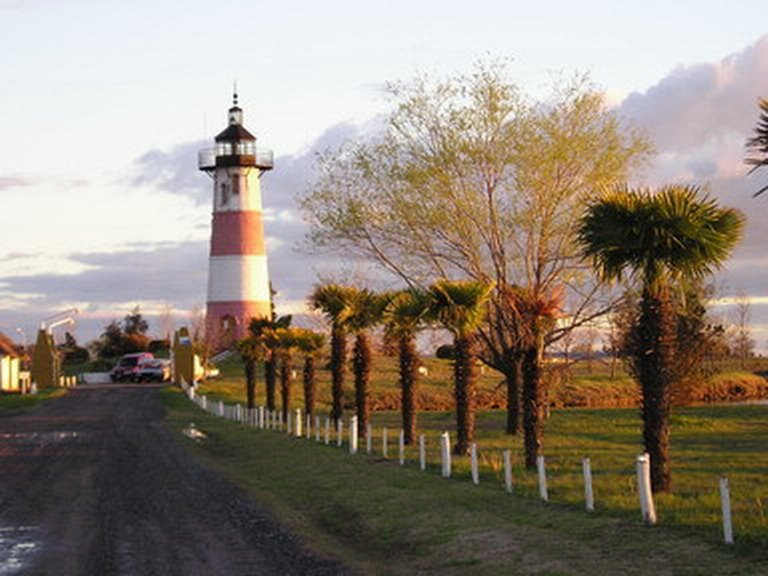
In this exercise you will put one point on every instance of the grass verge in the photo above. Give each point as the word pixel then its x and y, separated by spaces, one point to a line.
pixel 11 403
pixel 380 518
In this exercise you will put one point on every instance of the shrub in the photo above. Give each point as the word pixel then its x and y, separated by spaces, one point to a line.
pixel 445 352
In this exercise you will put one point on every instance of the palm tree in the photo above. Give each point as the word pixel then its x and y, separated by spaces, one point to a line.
pixel 365 310
pixel 405 313
pixel 283 341
pixel 252 350
pixel 334 301
pixel 461 306
pixel 310 343
pixel 660 239
pixel 262 329
pixel 759 143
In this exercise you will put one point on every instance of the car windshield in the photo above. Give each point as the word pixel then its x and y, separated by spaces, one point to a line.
pixel 129 361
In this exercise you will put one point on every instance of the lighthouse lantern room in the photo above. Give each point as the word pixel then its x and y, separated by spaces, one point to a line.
pixel 238 279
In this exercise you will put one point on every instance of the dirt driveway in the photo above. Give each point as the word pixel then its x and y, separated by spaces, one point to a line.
pixel 91 483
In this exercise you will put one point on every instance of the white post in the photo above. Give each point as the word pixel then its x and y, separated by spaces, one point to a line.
pixel 543 493
pixel 473 463
pixel 725 502
pixel 339 432
pixel 288 422
pixel 239 413
pixel 221 409
pixel 317 428
pixel 261 417
pixel 204 403
pixel 297 424
pixel 279 419
pixel 384 447
pixel 445 454
pixel 327 430
pixel 507 471
pixel 589 495
pixel 401 447
pixel 647 507
pixel 422 453
pixel 368 439
pixel 353 435
pixel 309 427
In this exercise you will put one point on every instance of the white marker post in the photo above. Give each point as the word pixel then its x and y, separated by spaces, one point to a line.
pixel 327 431
pixel 422 453
pixel 317 428
pixel 339 432
pixel 353 435
pixel 725 504
pixel 204 403
pixel 445 454
pixel 647 508
pixel 309 427
pixel 507 457
pixel 221 409
pixel 384 447
pixel 288 423
pixel 589 495
pixel 298 423
pixel 543 492
pixel 473 463
pixel 368 439
pixel 401 448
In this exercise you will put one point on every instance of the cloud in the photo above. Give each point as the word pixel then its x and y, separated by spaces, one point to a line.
pixel 15 181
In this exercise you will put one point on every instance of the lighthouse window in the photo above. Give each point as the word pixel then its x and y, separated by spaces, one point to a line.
pixel 235 184
pixel 224 194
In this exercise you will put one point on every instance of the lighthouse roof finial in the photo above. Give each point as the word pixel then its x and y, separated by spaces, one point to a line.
pixel 234 92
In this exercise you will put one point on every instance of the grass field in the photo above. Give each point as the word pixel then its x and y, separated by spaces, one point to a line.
pixel 381 518
pixel 14 402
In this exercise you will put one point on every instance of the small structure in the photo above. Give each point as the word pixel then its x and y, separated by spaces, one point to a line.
pixel 10 358
pixel 46 363
pixel 186 364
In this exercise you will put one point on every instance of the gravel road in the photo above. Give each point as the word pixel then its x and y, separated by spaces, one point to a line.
pixel 92 484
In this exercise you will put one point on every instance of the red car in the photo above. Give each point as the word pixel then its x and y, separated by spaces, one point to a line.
pixel 129 366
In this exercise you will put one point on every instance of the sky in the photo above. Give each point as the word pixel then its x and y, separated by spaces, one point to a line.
pixel 105 104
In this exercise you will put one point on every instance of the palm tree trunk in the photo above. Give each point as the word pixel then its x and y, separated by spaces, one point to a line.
pixel 250 382
pixel 362 367
pixel 309 385
pixel 285 384
pixel 513 376
pixel 532 404
pixel 338 368
pixel 656 339
pixel 464 390
pixel 270 380
pixel 409 366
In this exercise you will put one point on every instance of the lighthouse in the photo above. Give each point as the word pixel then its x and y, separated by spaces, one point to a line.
pixel 238 279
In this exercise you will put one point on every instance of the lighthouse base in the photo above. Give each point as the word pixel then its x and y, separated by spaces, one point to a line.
pixel 226 322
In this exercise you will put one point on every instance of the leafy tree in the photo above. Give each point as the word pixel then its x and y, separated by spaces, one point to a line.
pixel 660 239
pixel 334 301
pixel 460 306
pixel 471 179
pixel 72 353
pixel 404 315
pixel 134 322
pixel 310 343
pixel 758 144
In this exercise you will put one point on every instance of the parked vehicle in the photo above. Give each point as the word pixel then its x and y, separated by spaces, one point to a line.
pixel 128 367
pixel 155 371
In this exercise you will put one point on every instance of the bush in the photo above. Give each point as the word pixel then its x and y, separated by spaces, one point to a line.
pixel 445 352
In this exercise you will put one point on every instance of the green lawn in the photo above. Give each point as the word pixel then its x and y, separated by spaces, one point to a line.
pixel 15 402
pixel 381 518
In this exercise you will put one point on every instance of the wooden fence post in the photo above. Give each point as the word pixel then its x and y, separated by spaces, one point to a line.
pixel 422 453
pixel 541 468
pixel 473 463
pixel 589 495
pixel 507 457
pixel 647 507
pixel 725 504
pixel 445 454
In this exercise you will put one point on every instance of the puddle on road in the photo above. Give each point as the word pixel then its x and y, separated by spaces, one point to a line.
pixel 18 544
pixel 40 437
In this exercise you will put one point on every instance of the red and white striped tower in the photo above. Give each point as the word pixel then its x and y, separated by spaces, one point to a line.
pixel 238 279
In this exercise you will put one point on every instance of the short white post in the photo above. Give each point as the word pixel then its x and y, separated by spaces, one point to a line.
pixel 279 419
pixel 401 448
pixel 647 507
pixel 353 435
pixel 239 413
pixel 543 493
pixel 384 442
pixel 368 439
pixel 725 503
pixel 589 495
pixel 261 417
pixel 473 463
pixel 221 409
pixel 445 454
pixel 507 470
pixel 339 432
pixel 297 425
pixel 309 427
pixel 204 403
pixel 422 453
pixel 288 422
pixel 327 430
pixel 317 428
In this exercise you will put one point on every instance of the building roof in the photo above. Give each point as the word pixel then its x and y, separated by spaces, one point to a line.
pixel 235 133
pixel 8 348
